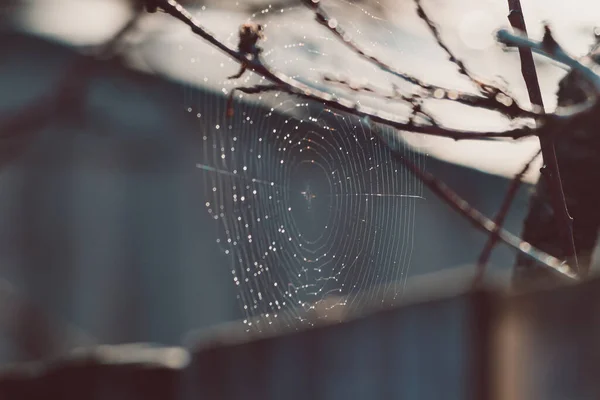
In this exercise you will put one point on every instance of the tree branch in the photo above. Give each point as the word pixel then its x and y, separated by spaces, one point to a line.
pixel 485 89
pixel 493 99
pixel 414 100
pixel 550 171
pixel 515 184
pixel 38 334
pixel 289 85
pixel 479 220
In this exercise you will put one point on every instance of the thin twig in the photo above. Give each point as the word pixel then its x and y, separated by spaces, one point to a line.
pixel 414 100
pixel 479 220
pixel 515 184
pixel 494 99
pixel 111 46
pixel 370 89
pixel 485 89
pixel 289 85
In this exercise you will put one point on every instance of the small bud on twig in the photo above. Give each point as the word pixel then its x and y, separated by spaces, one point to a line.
pixel 549 44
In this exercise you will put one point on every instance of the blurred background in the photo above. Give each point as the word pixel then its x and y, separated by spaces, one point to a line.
pixel 107 231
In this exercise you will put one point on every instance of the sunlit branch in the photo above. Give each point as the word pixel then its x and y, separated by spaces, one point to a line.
pixel 550 171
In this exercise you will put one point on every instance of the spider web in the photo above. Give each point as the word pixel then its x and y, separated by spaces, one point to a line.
pixel 308 204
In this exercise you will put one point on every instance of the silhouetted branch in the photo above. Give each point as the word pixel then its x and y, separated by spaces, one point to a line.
pixel 289 85
pixel 480 221
pixel 485 89
pixel 515 184
pixel 493 99
pixel 414 100
pixel 550 171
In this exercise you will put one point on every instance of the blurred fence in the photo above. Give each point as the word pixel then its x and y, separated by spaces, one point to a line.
pixel 471 345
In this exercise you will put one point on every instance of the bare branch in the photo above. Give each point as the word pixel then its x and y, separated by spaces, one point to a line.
pixel 550 171
pixel 289 85
pixel 460 205
pixel 494 99
pixel 111 47
pixel 479 220
pixel 485 89
pixel 594 53
pixel 248 90
pixel 354 108
pixel 515 184
pixel 553 51
pixel 414 100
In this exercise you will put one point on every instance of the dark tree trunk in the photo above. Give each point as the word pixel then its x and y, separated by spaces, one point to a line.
pixel 578 153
